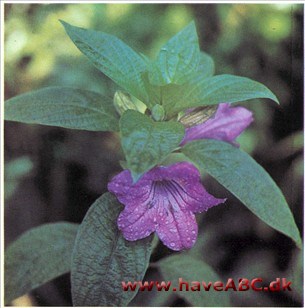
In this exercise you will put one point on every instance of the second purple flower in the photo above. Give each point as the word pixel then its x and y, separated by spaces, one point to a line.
pixel 225 125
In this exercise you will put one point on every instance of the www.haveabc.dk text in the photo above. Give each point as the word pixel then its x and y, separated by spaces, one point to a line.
pixel 243 284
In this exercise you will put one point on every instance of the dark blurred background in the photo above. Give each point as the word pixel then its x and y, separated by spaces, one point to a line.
pixel 54 174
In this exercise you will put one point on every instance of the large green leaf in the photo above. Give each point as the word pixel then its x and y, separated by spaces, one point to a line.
pixel 145 142
pixel 64 107
pixel 112 57
pixel 192 270
pixel 248 181
pixel 178 58
pixel 39 255
pixel 102 258
pixel 214 90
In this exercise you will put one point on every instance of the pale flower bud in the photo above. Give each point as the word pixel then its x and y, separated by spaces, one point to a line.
pixel 122 102
pixel 198 116
pixel 158 113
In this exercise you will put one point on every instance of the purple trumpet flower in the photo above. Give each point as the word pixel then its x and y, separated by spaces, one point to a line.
pixel 164 201
pixel 226 125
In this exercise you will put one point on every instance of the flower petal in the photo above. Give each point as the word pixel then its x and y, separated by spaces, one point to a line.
pixel 131 195
pixel 226 125
pixel 181 170
pixel 137 225
pixel 140 220
pixel 179 230
pixel 192 196
pixel 184 189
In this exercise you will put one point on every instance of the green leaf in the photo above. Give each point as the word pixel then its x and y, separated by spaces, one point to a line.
pixel 162 94
pixel 145 142
pixel 178 58
pixel 112 57
pixel 102 258
pixel 214 90
pixel 37 256
pixel 205 69
pixel 64 107
pixel 192 270
pixel 154 92
pixel 248 181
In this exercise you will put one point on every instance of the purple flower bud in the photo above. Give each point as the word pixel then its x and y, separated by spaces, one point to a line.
pixel 164 201
pixel 226 125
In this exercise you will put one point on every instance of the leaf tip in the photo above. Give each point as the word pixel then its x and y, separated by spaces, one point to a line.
pixel 62 22
pixel 276 100
pixel 65 24
pixel 272 96
pixel 299 243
